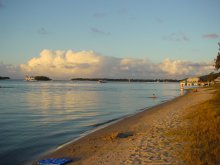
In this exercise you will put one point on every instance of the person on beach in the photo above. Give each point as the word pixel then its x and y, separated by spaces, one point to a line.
pixel 182 87
pixel 154 96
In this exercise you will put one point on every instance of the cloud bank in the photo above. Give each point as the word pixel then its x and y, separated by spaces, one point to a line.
pixel 60 64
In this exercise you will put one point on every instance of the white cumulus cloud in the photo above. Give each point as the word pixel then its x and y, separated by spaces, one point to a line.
pixel 63 64
pixel 60 64
pixel 185 68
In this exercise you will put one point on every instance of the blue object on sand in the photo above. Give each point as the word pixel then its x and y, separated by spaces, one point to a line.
pixel 54 161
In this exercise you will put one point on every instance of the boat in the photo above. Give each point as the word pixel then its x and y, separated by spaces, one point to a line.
pixel 29 78
pixel 102 81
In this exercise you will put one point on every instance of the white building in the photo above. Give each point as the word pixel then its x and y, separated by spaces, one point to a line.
pixel 182 84
pixel 192 81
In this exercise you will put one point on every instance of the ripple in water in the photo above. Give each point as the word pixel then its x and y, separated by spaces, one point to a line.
pixel 40 116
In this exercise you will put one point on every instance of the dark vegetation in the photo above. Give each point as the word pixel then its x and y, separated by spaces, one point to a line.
pixel 42 78
pixel 210 77
pixel 217 60
pixel 4 78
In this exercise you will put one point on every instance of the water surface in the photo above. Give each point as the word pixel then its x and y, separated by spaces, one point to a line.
pixel 39 116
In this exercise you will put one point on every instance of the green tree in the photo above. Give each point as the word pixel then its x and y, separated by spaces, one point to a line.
pixel 217 60
pixel 210 77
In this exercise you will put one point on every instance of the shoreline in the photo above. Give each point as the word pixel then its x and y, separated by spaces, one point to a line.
pixel 115 142
pixel 99 126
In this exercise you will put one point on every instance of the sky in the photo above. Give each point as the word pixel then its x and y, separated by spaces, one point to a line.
pixel 65 39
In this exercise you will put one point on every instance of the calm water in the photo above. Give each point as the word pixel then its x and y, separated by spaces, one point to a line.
pixel 39 116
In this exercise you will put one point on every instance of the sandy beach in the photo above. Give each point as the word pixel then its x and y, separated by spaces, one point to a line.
pixel 138 139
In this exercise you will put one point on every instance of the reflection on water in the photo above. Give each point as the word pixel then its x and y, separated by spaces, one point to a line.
pixel 65 106
pixel 39 116
pixel 182 92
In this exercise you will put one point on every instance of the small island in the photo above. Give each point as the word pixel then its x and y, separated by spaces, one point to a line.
pixel 37 78
pixel 4 78
pixel 42 78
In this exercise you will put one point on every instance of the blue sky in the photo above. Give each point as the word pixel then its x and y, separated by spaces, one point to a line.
pixel 144 29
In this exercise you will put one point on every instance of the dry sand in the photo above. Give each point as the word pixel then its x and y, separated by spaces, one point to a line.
pixel 139 139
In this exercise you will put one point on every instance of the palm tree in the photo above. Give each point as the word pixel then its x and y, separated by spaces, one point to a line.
pixel 217 60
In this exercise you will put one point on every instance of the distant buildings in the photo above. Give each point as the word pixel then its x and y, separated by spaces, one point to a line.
pixel 191 81
pixel 196 81
pixel 182 84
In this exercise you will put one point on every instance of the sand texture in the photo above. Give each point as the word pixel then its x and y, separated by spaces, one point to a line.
pixel 139 139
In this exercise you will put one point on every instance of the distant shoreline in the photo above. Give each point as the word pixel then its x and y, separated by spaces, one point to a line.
pixel 4 78
pixel 125 80
pixel 106 79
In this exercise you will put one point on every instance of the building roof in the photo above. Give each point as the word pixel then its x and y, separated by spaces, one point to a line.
pixel 190 79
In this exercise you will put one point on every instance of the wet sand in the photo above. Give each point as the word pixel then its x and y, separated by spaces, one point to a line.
pixel 139 139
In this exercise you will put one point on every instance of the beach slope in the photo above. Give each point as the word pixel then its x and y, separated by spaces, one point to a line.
pixel 139 139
